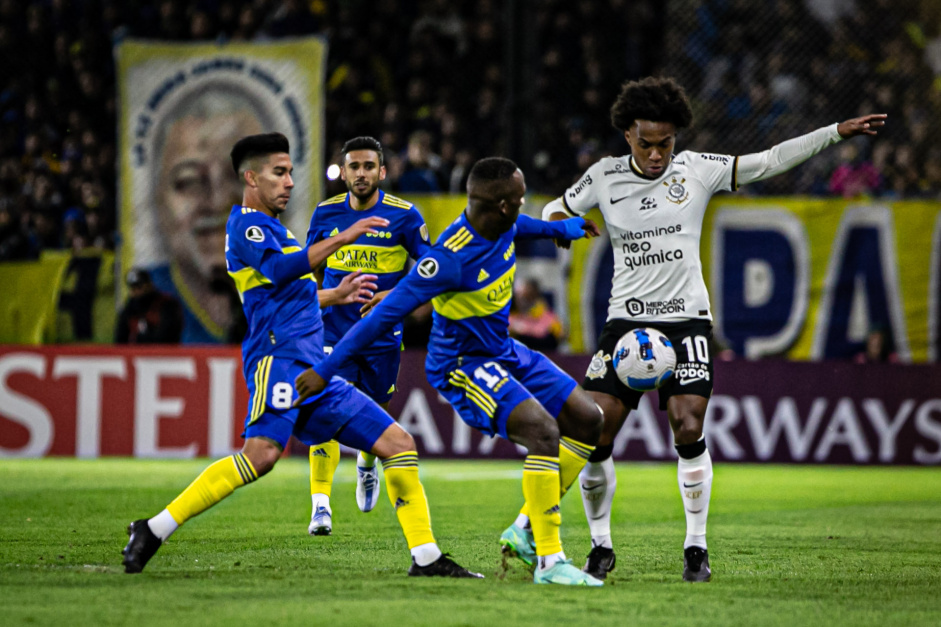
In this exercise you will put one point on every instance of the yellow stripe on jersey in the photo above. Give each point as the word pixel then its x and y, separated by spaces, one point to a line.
pixel 459 240
pixel 394 201
pixel 375 259
pixel 248 278
pixel 332 201
pixel 475 393
pixel 485 301
pixel 261 388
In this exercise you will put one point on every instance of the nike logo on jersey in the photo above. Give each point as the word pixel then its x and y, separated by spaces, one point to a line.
pixel 691 485
pixel 615 201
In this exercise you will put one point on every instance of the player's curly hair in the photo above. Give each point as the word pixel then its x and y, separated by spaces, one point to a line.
pixel 257 146
pixel 654 99
pixel 363 143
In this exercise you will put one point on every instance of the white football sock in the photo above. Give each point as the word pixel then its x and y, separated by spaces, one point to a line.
pixel 425 554
pixel 163 525
pixel 365 460
pixel 548 561
pixel 694 477
pixel 320 500
pixel 598 482
pixel 522 521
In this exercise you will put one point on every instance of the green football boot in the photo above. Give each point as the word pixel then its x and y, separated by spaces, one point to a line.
pixel 519 543
pixel 565 573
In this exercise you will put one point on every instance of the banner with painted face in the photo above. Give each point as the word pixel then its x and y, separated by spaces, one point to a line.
pixel 182 107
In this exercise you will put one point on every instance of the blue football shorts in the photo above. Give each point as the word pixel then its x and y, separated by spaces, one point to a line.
pixel 340 412
pixel 374 374
pixel 485 390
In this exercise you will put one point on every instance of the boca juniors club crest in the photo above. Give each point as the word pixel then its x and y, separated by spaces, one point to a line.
pixel 676 191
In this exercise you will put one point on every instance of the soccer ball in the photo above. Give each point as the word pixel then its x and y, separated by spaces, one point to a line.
pixel 644 359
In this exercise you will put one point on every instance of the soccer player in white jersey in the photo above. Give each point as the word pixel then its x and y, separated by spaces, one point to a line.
pixel 653 203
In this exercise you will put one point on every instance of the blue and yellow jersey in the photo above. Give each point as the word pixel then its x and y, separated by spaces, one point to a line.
pixel 384 254
pixel 469 280
pixel 279 298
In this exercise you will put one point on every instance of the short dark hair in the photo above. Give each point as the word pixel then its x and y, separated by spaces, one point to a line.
pixel 364 142
pixel 654 99
pixel 258 146
pixel 492 169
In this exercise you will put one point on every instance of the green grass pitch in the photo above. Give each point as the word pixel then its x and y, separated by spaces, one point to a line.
pixel 789 545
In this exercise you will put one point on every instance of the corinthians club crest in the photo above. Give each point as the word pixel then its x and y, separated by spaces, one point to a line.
pixel 598 366
pixel 676 192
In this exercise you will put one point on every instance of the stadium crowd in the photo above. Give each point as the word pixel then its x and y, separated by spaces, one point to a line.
pixel 430 79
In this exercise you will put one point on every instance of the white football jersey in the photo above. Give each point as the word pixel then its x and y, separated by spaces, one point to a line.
pixel 655 227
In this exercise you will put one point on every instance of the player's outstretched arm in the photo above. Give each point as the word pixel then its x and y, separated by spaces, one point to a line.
pixel 394 308
pixel 431 276
pixel 554 211
pixel 355 287
pixel 318 253
pixel 784 156
pixel 569 229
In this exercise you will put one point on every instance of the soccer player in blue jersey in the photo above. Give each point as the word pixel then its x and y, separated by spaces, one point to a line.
pixel 496 384
pixel 383 254
pixel 285 337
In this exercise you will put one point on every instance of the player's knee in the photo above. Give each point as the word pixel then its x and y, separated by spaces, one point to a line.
pixel 544 439
pixel 393 441
pixel 262 455
pixel 687 432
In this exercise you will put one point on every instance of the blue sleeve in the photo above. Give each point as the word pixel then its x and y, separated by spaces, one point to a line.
pixel 531 228
pixel 256 245
pixel 434 274
pixel 416 235
pixel 283 268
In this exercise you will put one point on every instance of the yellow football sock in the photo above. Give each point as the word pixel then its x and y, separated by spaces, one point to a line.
pixel 368 459
pixel 324 459
pixel 215 483
pixel 408 497
pixel 541 491
pixel 573 456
